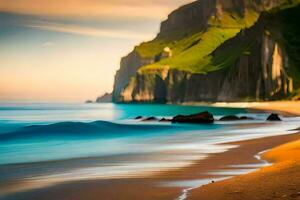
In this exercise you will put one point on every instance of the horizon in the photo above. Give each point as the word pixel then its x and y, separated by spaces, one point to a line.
pixel 149 99
pixel 69 51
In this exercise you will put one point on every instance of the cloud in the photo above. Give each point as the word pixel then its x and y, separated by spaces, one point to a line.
pixel 126 19
pixel 47 44
pixel 88 31
pixel 93 8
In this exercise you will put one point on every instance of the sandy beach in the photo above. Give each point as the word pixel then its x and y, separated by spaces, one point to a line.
pixel 201 180
pixel 279 181
pixel 282 107
pixel 150 100
pixel 290 107
pixel 156 188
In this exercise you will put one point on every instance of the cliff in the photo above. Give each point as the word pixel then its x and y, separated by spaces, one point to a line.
pixel 218 50
pixel 105 98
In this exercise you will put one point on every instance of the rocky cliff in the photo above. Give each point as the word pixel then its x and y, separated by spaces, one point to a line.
pixel 199 13
pixel 219 50
pixel 105 98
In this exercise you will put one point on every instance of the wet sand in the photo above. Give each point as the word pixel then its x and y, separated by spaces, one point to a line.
pixel 155 187
pixel 279 181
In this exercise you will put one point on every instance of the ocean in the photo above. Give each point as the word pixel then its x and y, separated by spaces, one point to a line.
pixel 46 144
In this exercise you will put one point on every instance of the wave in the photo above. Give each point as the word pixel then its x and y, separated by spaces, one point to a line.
pixel 81 129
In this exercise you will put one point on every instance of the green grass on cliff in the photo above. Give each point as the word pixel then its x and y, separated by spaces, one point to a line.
pixel 194 58
pixel 191 51
pixel 194 51
pixel 154 47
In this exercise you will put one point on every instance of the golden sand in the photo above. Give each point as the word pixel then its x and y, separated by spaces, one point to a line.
pixel 279 181
pixel 284 153
pixel 283 107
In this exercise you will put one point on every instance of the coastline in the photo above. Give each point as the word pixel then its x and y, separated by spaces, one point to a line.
pixel 171 184
pixel 278 181
pixel 155 187
pixel 288 108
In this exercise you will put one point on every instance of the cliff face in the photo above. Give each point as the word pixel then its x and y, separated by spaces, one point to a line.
pixel 105 98
pixel 129 66
pixel 198 13
pixel 251 65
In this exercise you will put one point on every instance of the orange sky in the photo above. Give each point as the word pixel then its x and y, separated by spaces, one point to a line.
pixel 69 50
pixel 93 8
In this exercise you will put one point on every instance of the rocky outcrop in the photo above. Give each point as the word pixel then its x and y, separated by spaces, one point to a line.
pixel 234 118
pixel 196 14
pixel 257 71
pixel 273 117
pixel 253 65
pixel 199 13
pixel 128 68
pixel 106 98
pixel 230 118
pixel 199 118
pixel 260 71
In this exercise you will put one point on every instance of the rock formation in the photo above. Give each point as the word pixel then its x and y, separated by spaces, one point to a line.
pixel 199 118
pixel 250 61
pixel 106 98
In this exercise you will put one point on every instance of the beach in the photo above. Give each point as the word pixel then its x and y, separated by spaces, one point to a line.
pixel 235 168
pixel 279 181
pixel 153 187
pixel 150 100
pixel 282 107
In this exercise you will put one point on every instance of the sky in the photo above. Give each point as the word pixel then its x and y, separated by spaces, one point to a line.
pixel 69 50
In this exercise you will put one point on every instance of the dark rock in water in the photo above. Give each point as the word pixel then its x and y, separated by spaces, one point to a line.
pixel 165 120
pixel 138 117
pixel 89 101
pixel 273 117
pixel 235 118
pixel 150 119
pixel 201 118
pixel 229 118
pixel 246 118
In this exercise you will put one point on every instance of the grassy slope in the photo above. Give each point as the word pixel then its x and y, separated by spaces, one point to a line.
pixel 192 51
pixel 195 57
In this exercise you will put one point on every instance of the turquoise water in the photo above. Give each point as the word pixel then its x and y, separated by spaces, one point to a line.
pixel 88 112
pixel 65 142
pixel 59 127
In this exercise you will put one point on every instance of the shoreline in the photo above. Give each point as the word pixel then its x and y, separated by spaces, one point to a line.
pixel 277 181
pixel 287 108
pixel 151 187
pixel 186 192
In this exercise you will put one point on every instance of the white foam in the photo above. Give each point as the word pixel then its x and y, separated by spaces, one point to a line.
pixel 174 151
pixel 189 185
